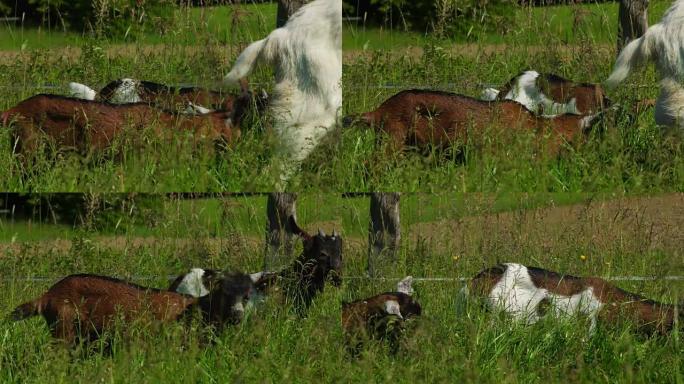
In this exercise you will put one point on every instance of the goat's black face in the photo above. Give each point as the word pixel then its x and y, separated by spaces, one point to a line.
pixel 328 251
pixel 408 306
pixel 411 308
pixel 228 299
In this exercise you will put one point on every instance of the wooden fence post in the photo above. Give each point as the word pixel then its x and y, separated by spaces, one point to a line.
pixel 286 8
pixel 279 237
pixel 632 21
pixel 384 233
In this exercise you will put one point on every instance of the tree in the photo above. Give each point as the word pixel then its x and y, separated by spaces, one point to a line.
pixel 286 8
pixel 384 232
pixel 279 236
pixel 633 21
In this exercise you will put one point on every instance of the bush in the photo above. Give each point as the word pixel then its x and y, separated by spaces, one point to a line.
pixel 444 18
pixel 104 17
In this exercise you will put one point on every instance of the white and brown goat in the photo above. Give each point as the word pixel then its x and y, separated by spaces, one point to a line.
pixel 550 95
pixel 188 99
pixel 379 317
pixel 88 126
pixel 423 118
pixel 528 293
pixel 305 278
pixel 81 307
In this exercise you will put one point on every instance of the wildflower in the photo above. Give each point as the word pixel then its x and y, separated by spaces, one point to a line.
pixel 583 257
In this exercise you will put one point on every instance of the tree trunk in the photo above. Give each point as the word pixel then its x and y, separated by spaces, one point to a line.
pixel 384 233
pixel 633 21
pixel 286 8
pixel 279 236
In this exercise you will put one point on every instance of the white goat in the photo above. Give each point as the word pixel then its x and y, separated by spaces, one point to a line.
pixel 663 44
pixel 306 55
pixel 527 293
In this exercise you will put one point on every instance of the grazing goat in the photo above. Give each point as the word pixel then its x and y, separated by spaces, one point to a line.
pixel 94 126
pixel 306 55
pixel 551 95
pixel 663 44
pixel 432 118
pixel 527 293
pixel 189 99
pixel 380 317
pixel 301 281
pixel 81 307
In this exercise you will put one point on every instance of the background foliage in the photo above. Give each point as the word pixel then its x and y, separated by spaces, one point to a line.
pixel 445 18
pixel 109 17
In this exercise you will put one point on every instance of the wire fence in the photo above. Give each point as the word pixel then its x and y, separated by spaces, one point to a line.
pixel 457 86
pixel 425 279
pixel 450 86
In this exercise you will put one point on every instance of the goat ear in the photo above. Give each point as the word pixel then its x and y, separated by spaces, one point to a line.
pixel 392 307
pixel 406 285
pixel 321 233
pixel 335 234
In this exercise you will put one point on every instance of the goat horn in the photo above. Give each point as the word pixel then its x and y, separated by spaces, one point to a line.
pixel 320 232
pixel 335 234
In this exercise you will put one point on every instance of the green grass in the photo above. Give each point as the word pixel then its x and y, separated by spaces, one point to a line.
pixel 597 22
pixel 625 153
pixel 224 23
pixel 273 346
pixel 245 214
pixel 630 158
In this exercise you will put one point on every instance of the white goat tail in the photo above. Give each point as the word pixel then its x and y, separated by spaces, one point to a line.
pixel 635 54
pixel 245 63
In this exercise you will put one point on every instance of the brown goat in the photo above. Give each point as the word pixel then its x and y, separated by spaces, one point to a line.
pixel 527 293
pixel 379 317
pixel 94 126
pixel 423 118
pixel 81 307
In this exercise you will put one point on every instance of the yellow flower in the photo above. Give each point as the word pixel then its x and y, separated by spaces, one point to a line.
pixel 583 257
pixel 456 257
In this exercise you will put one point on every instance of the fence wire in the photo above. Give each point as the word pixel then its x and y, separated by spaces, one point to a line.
pixel 451 86
pixel 426 279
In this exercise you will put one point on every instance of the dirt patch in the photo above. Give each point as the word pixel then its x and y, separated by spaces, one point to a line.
pixel 638 224
pixel 349 56
pixel 326 226
pixel 133 50
pixel 213 245
pixel 73 54
pixel 610 227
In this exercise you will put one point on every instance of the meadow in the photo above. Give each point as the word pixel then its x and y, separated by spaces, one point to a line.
pixel 443 236
pixel 627 154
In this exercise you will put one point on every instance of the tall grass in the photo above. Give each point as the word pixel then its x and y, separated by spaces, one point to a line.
pixel 272 345
pixel 626 155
